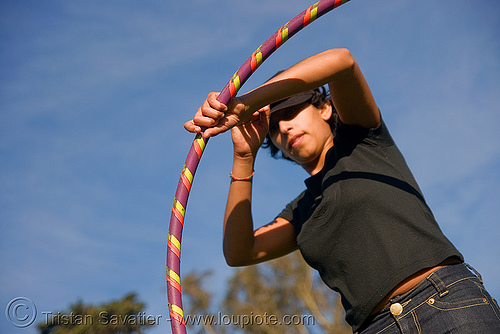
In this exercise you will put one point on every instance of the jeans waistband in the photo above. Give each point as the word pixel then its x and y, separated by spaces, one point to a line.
pixel 444 277
pixel 460 281
pixel 439 280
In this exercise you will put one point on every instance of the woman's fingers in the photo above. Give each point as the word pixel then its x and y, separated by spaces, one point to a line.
pixel 207 111
pixel 208 115
pixel 191 127
pixel 214 103
pixel 262 110
pixel 214 117
pixel 224 124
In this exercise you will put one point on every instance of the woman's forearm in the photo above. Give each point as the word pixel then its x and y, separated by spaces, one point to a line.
pixel 310 73
pixel 238 224
pixel 349 90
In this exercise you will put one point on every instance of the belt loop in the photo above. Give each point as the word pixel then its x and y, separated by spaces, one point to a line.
pixel 475 272
pixel 438 284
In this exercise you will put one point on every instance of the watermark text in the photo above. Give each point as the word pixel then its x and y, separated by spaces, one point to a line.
pixel 246 320
pixel 22 312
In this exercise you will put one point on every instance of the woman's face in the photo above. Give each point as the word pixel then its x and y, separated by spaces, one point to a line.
pixel 302 132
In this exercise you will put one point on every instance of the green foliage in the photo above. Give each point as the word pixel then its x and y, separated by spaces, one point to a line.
pixel 124 316
pixel 199 302
pixel 279 296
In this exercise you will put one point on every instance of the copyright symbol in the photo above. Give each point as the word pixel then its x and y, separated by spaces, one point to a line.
pixel 21 312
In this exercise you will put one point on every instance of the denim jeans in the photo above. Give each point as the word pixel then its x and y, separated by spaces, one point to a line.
pixel 450 300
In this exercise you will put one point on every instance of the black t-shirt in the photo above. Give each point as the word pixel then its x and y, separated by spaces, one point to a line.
pixel 363 222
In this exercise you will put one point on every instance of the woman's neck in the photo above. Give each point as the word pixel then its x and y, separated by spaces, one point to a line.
pixel 316 166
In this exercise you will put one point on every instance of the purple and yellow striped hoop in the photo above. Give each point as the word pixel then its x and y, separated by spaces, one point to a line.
pixel 174 293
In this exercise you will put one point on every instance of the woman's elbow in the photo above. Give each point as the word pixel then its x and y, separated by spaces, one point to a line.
pixel 235 258
pixel 235 261
pixel 342 58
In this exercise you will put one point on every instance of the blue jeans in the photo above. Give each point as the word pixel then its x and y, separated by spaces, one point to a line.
pixel 450 300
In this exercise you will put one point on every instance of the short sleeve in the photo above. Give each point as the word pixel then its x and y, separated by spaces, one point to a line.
pixel 298 210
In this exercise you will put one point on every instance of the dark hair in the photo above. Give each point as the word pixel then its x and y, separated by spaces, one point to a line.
pixel 320 97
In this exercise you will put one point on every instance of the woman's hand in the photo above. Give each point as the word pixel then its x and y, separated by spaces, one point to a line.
pixel 248 137
pixel 214 117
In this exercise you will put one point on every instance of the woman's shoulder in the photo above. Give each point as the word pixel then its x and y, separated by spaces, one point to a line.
pixel 356 134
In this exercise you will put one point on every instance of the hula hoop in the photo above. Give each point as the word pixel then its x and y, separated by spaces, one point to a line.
pixel 174 296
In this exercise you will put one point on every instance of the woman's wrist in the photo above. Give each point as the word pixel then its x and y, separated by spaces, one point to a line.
pixel 245 178
pixel 242 166
pixel 244 158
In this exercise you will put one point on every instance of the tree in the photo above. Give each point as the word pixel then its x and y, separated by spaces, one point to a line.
pixel 199 302
pixel 280 296
pixel 124 316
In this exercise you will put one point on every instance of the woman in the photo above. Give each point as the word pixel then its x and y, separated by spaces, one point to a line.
pixel 362 221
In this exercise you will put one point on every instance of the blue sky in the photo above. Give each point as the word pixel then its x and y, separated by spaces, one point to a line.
pixel 93 96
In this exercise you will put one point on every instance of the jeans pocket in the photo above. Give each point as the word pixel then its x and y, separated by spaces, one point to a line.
pixel 466 308
pixel 491 300
pixel 461 294
pixel 456 304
